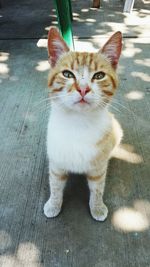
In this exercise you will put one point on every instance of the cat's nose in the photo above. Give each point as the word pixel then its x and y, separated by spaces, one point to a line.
pixel 83 91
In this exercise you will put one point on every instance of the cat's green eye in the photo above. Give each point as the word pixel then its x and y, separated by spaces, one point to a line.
pixel 68 74
pixel 99 75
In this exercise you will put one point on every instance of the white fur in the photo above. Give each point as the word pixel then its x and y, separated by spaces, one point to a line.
pixel 98 209
pixel 72 138
pixel 53 206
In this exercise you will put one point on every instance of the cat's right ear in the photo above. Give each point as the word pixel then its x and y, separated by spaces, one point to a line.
pixel 112 48
pixel 56 46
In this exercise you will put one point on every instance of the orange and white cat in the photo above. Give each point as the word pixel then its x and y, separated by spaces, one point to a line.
pixel 82 134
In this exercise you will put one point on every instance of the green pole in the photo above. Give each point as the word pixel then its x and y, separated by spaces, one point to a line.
pixel 63 9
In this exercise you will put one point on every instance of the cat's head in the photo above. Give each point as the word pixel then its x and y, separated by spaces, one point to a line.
pixel 80 80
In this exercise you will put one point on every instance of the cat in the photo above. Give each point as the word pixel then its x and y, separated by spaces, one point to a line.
pixel 82 134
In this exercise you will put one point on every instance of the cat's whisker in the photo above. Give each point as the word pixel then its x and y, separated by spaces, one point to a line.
pixel 41 106
pixel 111 106
pixel 61 106
pixel 103 104
pixel 98 99
pixel 40 102
pixel 59 96
pixel 44 101
pixel 44 109
pixel 122 106
pixel 116 102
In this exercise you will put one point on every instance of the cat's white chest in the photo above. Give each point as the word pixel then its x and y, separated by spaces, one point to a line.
pixel 71 140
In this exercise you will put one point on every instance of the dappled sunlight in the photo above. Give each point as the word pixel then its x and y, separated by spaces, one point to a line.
pixel 139 21
pixel 53 16
pixel 126 152
pixel 4 56
pixel 142 40
pixel 144 62
pixel 84 10
pixel 84 46
pixel 134 19
pixel 47 28
pixel 115 26
pixel 75 14
pixel 26 255
pixel 135 95
pixel 28 252
pixel 129 50
pixel 143 76
pixel 93 44
pixel 101 23
pixel 143 32
pixel 132 219
pixel 146 1
pixel 5 240
pixel 8 261
pixel 54 23
pixel 4 69
pixel 42 43
pixel 91 20
pixel 139 25
pixel 79 19
pixel 42 66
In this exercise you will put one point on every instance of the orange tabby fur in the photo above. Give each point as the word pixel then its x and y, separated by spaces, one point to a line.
pixel 90 97
pixel 94 61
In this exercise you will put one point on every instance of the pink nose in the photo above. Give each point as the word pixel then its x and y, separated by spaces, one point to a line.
pixel 83 91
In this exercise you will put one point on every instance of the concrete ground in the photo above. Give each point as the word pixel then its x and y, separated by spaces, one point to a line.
pixel 73 239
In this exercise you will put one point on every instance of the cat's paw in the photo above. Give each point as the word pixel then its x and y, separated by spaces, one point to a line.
pixel 99 213
pixel 51 210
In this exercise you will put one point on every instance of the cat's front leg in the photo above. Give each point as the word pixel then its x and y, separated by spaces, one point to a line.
pixel 57 181
pixel 96 184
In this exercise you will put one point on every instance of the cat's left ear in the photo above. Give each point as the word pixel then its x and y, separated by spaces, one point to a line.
pixel 56 46
pixel 112 48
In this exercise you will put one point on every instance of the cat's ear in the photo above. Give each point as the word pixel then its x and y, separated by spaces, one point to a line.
pixel 112 48
pixel 56 46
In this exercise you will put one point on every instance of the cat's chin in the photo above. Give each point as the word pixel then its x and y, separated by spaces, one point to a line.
pixel 79 106
pixel 82 107
pixel 87 106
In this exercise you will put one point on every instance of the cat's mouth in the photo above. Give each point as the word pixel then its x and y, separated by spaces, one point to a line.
pixel 82 101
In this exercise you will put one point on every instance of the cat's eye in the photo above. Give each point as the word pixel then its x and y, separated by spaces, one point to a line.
pixel 68 74
pixel 99 75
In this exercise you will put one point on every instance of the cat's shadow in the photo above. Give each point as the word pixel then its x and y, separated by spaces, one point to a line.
pixel 76 191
